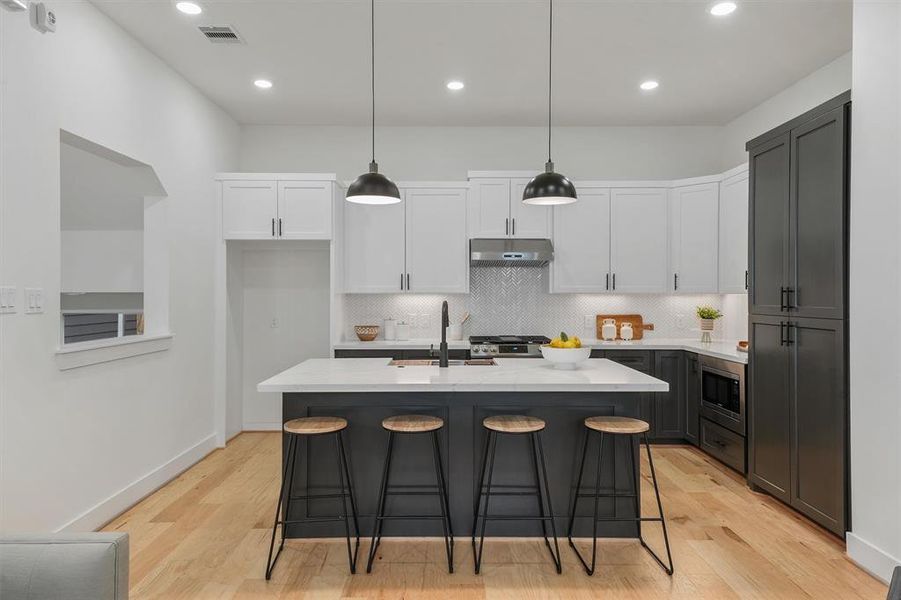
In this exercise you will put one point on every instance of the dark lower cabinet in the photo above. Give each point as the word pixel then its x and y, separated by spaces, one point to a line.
pixel 818 482
pixel 797 434
pixel 692 387
pixel 669 407
pixel 640 360
pixel 769 375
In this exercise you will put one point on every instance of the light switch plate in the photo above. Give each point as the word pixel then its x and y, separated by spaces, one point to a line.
pixel 34 301
pixel 8 300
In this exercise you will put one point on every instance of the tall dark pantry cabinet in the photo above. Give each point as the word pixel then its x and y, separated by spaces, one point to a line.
pixel 797 383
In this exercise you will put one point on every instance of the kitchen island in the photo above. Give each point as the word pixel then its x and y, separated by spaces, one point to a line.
pixel 367 390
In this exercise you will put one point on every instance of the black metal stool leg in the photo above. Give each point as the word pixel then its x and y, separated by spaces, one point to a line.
pixel 351 493
pixel 351 556
pixel 669 557
pixel 477 556
pixel 572 513
pixel 380 512
pixel 477 500
pixel 289 466
pixel 550 509
pixel 541 512
pixel 443 500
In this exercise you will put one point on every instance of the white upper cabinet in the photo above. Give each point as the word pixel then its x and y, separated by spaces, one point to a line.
pixel 437 244
pixel 638 240
pixel 419 245
pixel 257 208
pixel 496 210
pixel 305 210
pixel 374 248
pixel 693 221
pixel 733 234
pixel 582 244
pixel 527 220
pixel 249 210
pixel 489 208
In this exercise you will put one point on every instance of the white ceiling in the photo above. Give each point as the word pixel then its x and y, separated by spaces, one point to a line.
pixel 317 53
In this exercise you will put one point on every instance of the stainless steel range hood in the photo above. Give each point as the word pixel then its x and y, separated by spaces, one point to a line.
pixel 502 252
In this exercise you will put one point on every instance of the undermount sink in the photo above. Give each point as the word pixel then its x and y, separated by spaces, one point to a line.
pixel 433 362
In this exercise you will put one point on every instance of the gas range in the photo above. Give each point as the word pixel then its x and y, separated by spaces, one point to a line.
pixel 506 346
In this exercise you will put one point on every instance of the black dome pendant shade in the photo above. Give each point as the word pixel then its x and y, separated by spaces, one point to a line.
pixel 373 187
pixel 549 188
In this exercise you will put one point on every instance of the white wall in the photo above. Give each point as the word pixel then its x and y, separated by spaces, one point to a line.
pixel 875 303
pixel 821 85
pixel 447 153
pixel 102 261
pixel 285 320
pixel 77 447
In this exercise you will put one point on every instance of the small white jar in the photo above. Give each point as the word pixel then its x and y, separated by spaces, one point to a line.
pixel 626 332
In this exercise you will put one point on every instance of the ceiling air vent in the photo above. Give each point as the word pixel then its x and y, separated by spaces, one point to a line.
pixel 221 34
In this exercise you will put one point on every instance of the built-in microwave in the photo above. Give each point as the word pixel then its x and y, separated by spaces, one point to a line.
pixel 723 393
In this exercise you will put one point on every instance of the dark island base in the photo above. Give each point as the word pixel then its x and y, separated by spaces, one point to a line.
pixel 462 445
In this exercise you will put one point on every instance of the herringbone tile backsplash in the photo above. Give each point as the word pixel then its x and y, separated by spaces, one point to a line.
pixel 515 300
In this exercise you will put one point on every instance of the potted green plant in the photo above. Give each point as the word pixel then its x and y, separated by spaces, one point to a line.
pixel 708 316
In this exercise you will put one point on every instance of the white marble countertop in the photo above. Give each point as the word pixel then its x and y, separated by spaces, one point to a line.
pixel 509 375
pixel 725 349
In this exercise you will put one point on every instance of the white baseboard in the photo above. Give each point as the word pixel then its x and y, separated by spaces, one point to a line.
pixel 105 511
pixel 261 426
pixel 875 561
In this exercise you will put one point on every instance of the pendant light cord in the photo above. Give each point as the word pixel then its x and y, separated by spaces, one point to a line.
pixel 372 71
pixel 550 67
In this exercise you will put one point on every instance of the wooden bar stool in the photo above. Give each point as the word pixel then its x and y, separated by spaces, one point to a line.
pixel 514 425
pixel 617 427
pixel 295 430
pixel 409 425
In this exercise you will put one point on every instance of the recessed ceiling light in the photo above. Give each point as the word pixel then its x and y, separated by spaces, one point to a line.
pixel 649 85
pixel 189 8
pixel 721 9
pixel 455 85
pixel 263 84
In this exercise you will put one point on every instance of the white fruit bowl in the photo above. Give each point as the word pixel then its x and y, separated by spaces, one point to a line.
pixel 565 358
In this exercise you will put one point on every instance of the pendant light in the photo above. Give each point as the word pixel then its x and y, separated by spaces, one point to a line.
pixel 373 187
pixel 549 188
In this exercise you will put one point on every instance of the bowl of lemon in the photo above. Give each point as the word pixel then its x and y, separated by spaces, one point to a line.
pixel 565 352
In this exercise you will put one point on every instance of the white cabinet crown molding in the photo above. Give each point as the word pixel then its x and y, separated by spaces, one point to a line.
pixel 276 177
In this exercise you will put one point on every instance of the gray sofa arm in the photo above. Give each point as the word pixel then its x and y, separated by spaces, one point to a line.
pixel 76 566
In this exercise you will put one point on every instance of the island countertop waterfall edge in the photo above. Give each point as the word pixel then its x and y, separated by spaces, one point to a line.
pixel 365 391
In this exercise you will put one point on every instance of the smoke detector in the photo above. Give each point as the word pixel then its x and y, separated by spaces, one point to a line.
pixel 221 34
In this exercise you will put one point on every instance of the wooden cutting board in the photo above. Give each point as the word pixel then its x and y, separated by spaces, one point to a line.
pixel 638 325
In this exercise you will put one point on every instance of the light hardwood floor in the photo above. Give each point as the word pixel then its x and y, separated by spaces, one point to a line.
pixel 205 535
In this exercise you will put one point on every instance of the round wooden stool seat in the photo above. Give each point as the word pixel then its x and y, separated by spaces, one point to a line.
pixel 617 425
pixel 513 424
pixel 413 423
pixel 315 425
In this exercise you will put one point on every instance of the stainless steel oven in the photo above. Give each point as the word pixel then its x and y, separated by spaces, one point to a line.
pixel 723 393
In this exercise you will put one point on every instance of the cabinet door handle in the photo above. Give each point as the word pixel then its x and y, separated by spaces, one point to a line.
pixel 507 226
pixel 273 226
pixel 789 340
pixel 746 279
pixel 614 282
pixel 781 299
pixel 781 333
pixel 607 282
pixel 675 281
pixel 791 301
pixel 279 227
pixel 514 225
pixel 408 282
pixel 401 281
